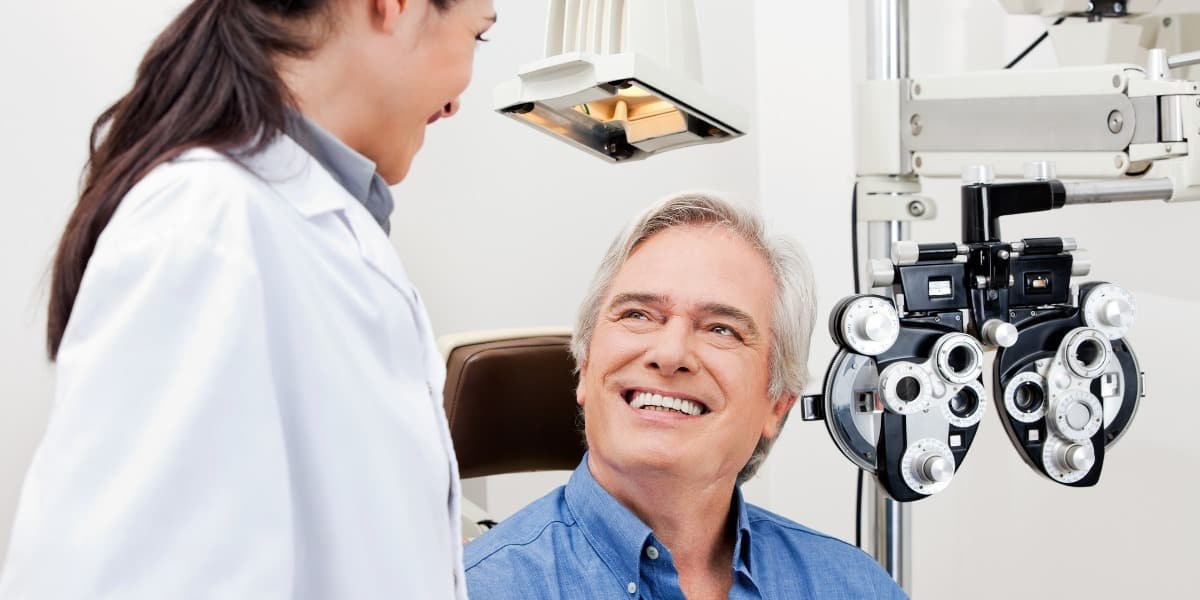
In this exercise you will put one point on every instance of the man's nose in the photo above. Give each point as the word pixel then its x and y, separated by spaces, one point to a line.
pixel 450 108
pixel 671 350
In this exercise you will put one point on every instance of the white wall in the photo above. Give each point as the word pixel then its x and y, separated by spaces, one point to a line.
pixel 62 64
pixel 501 226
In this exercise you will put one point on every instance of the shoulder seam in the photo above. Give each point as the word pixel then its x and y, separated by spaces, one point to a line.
pixel 799 528
pixel 531 540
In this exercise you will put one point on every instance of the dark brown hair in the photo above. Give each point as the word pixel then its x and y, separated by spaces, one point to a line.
pixel 208 80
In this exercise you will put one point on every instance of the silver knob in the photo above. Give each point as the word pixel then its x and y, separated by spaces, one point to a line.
pixel 1077 457
pixel 935 469
pixel 876 327
pixel 905 252
pixel 1116 313
pixel 1081 458
pixel 1081 264
pixel 978 174
pixel 999 333
pixel 882 271
pixel 1039 170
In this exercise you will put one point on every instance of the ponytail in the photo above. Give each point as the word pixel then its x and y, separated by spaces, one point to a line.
pixel 208 80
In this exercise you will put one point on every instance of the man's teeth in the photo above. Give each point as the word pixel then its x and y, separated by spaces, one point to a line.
pixel 650 401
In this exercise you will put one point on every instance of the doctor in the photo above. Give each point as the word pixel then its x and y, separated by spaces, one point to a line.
pixel 248 399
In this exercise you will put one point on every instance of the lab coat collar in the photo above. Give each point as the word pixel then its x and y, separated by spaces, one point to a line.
pixel 296 177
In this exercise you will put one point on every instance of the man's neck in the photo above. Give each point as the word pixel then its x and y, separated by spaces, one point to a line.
pixel 691 519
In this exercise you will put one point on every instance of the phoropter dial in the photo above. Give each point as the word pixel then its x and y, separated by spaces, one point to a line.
pixel 1110 309
pixel 868 325
pixel 927 466
pixel 1076 415
pixel 1066 461
pixel 905 388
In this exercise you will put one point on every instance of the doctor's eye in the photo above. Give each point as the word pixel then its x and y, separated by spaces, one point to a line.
pixel 635 314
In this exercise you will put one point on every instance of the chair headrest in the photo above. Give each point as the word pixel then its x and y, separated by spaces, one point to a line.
pixel 510 401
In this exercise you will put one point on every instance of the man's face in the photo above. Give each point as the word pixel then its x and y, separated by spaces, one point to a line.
pixel 686 318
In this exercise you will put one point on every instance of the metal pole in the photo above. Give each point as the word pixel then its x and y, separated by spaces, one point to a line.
pixel 888 532
pixel 887 39
pixel 1095 192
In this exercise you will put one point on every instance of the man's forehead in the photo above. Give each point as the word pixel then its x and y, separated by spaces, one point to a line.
pixel 695 265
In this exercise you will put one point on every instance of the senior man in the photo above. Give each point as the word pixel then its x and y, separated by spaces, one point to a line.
pixel 692 347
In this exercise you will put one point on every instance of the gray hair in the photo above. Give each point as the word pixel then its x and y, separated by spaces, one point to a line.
pixel 793 306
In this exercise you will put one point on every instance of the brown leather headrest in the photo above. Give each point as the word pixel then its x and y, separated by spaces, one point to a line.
pixel 511 405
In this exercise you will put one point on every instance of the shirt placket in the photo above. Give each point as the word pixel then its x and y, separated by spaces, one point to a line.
pixel 659 578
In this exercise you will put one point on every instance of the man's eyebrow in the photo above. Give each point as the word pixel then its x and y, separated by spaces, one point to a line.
pixel 730 312
pixel 492 18
pixel 638 298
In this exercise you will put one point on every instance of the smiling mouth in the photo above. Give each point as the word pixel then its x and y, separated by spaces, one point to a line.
pixel 658 402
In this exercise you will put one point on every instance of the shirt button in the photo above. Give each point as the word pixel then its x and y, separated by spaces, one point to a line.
pixel 652 552
pixel 632 587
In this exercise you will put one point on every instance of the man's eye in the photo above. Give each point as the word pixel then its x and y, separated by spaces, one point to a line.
pixel 724 331
pixel 635 314
pixel 480 38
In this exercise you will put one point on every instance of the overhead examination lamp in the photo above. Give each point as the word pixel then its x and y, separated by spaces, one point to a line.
pixel 621 80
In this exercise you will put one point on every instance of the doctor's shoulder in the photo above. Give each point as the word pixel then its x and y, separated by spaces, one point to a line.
pixel 201 197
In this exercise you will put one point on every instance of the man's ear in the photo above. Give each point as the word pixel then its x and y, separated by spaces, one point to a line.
pixel 387 13
pixel 579 385
pixel 777 415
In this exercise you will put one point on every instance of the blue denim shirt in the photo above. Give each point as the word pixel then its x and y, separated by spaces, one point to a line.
pixel 579 542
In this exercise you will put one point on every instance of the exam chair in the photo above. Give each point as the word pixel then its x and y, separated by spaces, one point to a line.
pixel 510 404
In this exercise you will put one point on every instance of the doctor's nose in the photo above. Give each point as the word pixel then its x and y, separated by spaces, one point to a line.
pixel 671 352
pixel 450 108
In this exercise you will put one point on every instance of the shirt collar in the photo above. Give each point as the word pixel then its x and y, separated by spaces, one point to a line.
pixel 355 172
pixel 619 536
pixel 741 544
pixel 616 534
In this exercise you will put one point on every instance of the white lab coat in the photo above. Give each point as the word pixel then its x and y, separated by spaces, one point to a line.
pixel 248 404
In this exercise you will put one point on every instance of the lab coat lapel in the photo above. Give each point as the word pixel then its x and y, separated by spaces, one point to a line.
pixel 313 191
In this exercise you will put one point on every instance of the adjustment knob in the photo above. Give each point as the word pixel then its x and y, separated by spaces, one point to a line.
pixel 868 325
pixel 905 252
pixel 974 174
pixel 882 272
pixel 1076 415
pixel 1075 457
pixel 1116 313
pixel 1110 309
pixel 1081 458
pixel 934 469
pixel 1039 170
pixel 876 328
pixel 927 466
pixel 1081 264
pixel 999 333
pixel 1068 462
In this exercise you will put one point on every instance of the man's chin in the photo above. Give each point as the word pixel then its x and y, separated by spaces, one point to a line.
pixel 651 459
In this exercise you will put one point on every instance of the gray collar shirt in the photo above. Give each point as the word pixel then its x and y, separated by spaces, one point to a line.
pixel 355 172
